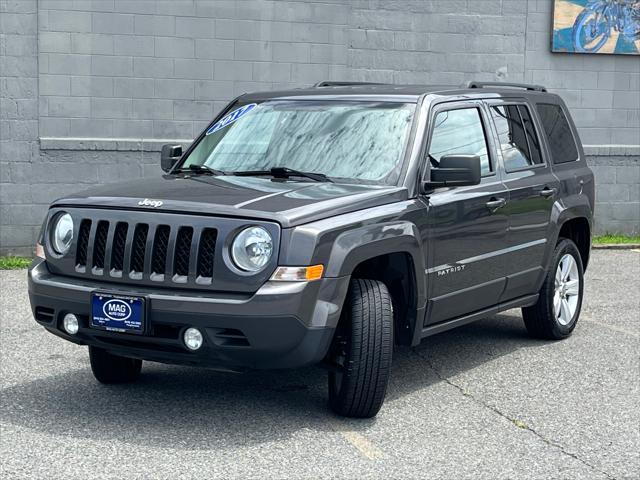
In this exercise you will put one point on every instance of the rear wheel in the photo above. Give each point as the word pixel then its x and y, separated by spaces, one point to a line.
pixel 556 313
pixel 109 368
pixel 361 351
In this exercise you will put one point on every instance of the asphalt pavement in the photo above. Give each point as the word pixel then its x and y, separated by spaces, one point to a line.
pixel 482 401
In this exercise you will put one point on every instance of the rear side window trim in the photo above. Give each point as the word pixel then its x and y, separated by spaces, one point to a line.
pixel 519 103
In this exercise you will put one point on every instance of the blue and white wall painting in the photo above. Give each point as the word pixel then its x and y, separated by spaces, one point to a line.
pixel 596 26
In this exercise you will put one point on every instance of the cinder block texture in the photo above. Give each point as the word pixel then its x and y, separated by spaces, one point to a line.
pixel 279 44
pixel 617 193
pixel 19 216
pixel 141 69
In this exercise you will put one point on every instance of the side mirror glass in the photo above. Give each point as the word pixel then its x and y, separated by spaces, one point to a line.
pixel 169 156
pixel 455 171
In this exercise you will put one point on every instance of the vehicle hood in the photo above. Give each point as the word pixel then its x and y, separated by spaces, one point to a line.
pixel 287 202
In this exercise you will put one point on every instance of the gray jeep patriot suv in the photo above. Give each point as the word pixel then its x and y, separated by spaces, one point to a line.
pixel 323 226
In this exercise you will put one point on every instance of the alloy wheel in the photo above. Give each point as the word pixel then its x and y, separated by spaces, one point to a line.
pixel 567 290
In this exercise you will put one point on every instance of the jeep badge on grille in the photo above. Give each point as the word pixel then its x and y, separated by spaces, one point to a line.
pixel 147 202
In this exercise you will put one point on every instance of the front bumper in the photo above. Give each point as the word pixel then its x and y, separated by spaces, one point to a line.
pixel 282 325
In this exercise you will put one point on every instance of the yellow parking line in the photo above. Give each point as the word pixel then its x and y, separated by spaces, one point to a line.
pixel 359 441
pixel 364 446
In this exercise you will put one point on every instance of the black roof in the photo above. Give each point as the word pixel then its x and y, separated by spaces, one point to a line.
pixel 397 93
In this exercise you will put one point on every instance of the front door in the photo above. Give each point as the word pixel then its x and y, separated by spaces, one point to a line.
pixel 532 190
pixel 466 226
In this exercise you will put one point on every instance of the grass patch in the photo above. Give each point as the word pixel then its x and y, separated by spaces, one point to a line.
pixel 609 238
pixel 14 263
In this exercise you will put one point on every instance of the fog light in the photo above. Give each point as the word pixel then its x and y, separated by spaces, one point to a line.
pixel 192 338
pixel 70 324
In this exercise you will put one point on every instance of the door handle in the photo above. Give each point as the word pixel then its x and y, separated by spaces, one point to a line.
pixel 547 192
pixel 496 203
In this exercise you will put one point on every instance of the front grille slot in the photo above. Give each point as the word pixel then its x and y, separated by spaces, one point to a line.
pixel 159 254
pixel 138 250
pixel 206 253
pixel 182 254
pixel 83 243
pixel 118 246
pixel 100 244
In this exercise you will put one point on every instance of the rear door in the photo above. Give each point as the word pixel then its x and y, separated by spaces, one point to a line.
pixel 532 190
pixel 466 226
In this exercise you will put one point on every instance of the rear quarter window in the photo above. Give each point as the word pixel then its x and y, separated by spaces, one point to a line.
pixel 556 127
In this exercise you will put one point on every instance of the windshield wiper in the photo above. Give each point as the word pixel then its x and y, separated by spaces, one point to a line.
pixel 284 172
pixel 202 169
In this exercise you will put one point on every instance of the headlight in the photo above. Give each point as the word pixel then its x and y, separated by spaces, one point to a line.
pixel 252 249
pixel 61 233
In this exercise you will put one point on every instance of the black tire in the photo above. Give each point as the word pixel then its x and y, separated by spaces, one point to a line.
pixel 363 346
pixel 109 368
pixel 540 319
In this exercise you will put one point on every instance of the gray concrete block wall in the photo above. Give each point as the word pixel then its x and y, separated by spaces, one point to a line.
pixel 602 91
pixel 195 54
pixel 436 42
pixel 19 211
pixel 617 193
pixel 142 69
pixel 209 51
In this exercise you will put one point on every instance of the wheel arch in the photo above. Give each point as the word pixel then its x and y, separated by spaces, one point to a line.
pixel 391 253
pixel 573 220
pixel 396 270
pixel 578 230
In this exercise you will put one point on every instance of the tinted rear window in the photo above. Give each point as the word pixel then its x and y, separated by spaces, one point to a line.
pixel 561 141
pixel 518 140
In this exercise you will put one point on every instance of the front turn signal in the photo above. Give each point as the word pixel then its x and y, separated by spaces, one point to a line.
pixel 40 251
pixel 298 274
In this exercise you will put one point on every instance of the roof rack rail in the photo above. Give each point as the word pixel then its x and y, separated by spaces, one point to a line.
pixel 344 84
pixel 526 86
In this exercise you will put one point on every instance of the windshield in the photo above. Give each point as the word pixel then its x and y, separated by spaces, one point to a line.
pixel 361 141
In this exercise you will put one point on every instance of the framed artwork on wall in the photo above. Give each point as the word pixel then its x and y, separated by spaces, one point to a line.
pixel 596 26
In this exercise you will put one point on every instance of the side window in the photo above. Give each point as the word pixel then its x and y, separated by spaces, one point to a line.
pixel 518 140
pixel 459 132
pixel 561 141
pixel 532 136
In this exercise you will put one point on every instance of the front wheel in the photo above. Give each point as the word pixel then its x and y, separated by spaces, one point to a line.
pixel 556 313
pixel 110 368
pixel 361 351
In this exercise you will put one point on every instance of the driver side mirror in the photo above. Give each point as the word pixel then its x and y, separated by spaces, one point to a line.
pixel 455 171
pixel 169 156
